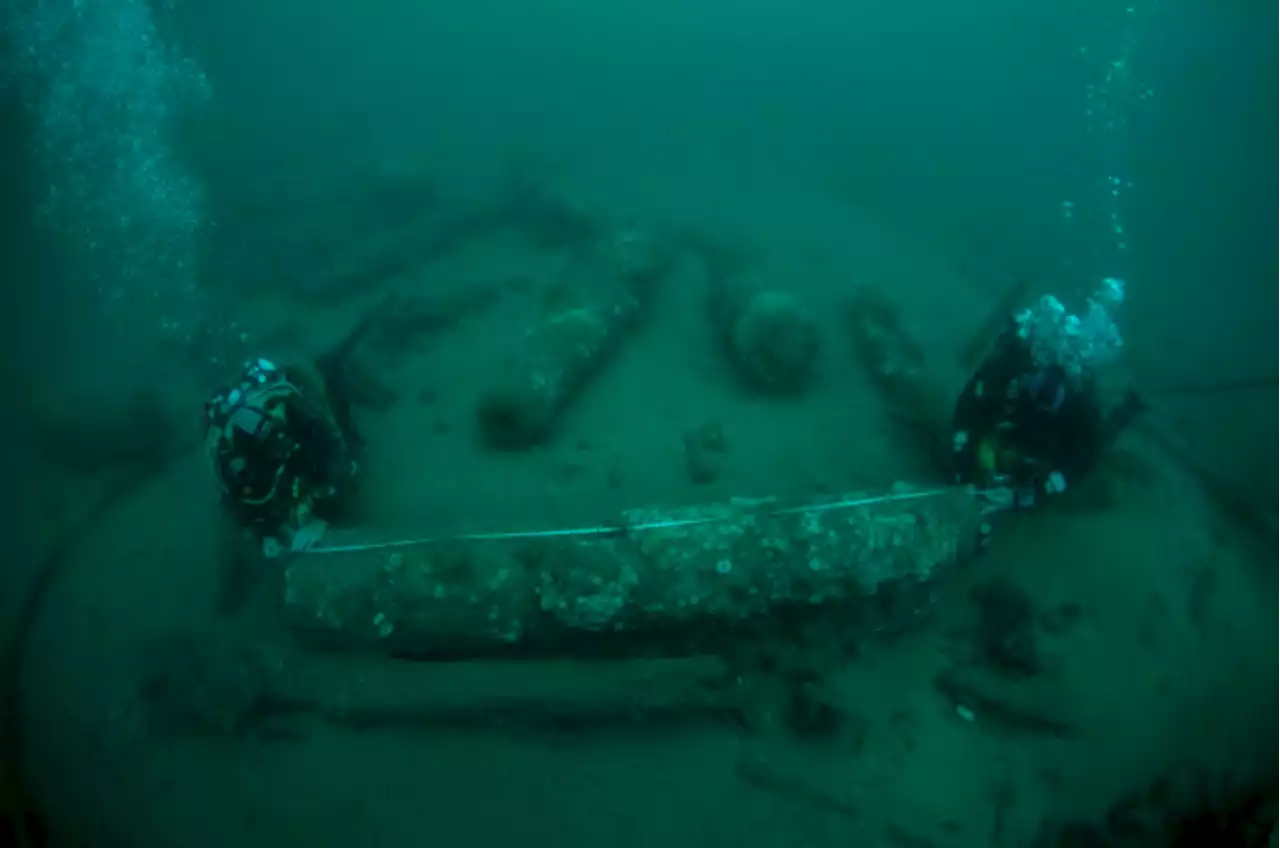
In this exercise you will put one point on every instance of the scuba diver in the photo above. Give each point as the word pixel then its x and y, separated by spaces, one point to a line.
pixel 281 455
pixel 1031 420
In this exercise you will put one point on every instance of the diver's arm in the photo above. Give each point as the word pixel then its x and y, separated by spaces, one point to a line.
pixel 1075 448
pixel 1119 418
pixel 317 405
pixel 981 410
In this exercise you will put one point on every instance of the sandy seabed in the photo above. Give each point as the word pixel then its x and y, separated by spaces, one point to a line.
pixel 1168 657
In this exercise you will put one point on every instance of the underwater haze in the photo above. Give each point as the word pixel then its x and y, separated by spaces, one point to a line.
pixel 643 324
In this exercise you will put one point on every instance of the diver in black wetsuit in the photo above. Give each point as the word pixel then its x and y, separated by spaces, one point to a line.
pixel 1031 419
pixel 283 459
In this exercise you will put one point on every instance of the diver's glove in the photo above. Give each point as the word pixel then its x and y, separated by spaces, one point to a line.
pixel 1005 495
pixel 1004 498
pixel 301 539
pixel 306 536
pixel 998 499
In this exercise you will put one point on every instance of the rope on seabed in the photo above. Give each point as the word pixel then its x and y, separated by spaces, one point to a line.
pixel 620 529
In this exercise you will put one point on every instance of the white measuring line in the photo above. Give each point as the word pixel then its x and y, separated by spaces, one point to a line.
pixel 621 528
